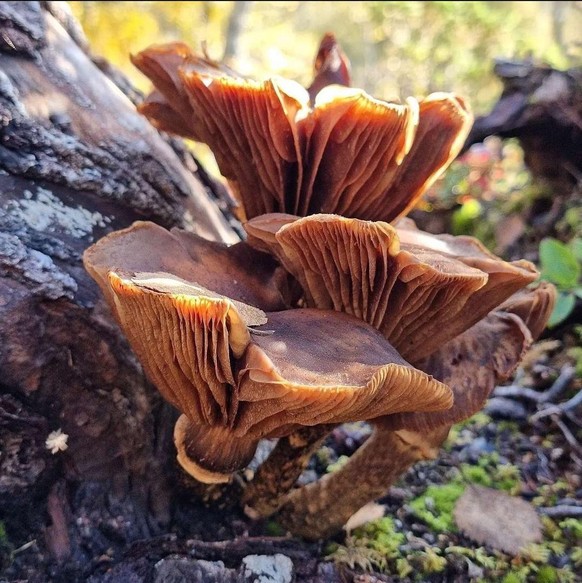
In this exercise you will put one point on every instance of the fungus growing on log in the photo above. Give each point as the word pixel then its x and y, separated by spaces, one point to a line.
pixel 336 308
pixel 238 374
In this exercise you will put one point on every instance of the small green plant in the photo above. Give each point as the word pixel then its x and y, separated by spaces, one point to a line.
pixel 547 574
pixel 576 557
pixel 573 528
pixel 561 264
pixel 436 506
pixel 373 545
pixel 430 560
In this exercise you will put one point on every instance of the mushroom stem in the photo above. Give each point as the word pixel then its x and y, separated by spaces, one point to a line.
pixel 267 491
pixel 320 509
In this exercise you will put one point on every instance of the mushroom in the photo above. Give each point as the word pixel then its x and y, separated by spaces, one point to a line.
pixel 331 66
pixel 356 266
pixel 472 365
pixel 340 151
pixel 236 373
pixel 417 289
pixel 341 317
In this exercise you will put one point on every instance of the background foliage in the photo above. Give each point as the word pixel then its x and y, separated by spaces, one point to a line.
pixel 396 48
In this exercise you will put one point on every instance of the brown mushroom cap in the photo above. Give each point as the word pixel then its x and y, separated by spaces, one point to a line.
pixel 503 278
pixel 327 367
pixel 534 307
pixel 350 154
pixel 251 130
pixel 476 361
pixel 331 66
pixel 419 290
pixel 236 384
pixel 472 365
pixel 147 247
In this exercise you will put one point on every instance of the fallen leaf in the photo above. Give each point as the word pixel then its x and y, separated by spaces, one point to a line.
pixel 494 518
pixel 365 514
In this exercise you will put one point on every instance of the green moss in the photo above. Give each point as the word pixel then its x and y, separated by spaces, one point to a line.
pixel 476 474
pixel 403 568
pixel 335 466
pixel 273 528
pixel 373 545
pixel 512 577
pixel 575 353
pixel 507 477
pixel 547 574
pixel 430 561
pixel 549 494
pixel 5 548
pixel 551 529
pixel 509 426
pixel 576 557
pixel 381 535
pixel 572 528
pixel 478 421
pixel 436 506
pixel 537 553
pixel 489 472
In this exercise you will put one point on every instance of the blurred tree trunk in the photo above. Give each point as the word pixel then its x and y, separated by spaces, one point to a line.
pixel 236 22
pixel 76 162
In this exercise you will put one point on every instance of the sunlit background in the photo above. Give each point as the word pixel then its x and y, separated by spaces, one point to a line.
pixel 396 48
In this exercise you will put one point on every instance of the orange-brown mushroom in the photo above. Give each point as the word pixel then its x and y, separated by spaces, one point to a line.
pixel 347 153
pixel 331 66
pixel 471 365
pixel 419 290
pixel 229 346
pixel 236 373
pixel 446 284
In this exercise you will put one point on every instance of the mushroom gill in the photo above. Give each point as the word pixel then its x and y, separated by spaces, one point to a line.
pixel 419 291
pixel 347 153
pixel 471 364
pixel 236 373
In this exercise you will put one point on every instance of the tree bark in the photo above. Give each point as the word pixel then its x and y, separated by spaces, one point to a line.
pixel 76 162
pixel 542 108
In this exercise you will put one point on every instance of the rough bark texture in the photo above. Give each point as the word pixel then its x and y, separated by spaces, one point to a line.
pixel 77 161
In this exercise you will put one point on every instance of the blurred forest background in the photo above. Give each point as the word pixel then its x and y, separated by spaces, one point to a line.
pixel 399 49
pixel 396 48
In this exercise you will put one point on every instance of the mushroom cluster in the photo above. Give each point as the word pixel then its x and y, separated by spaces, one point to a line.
pixel 335 308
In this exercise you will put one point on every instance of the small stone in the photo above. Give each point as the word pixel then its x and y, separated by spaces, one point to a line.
pixel 268 569
pixel 429 538
pixel 307 477
pixel 179 570
pixel 502 408
pixel 473 451
pixel 474 572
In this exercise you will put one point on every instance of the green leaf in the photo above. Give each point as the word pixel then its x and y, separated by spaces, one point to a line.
pixel 562 309
pixel 559 264
pixel 578 292
pixel 576 248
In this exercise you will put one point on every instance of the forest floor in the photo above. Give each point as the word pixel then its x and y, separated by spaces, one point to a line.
pixel 523 445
